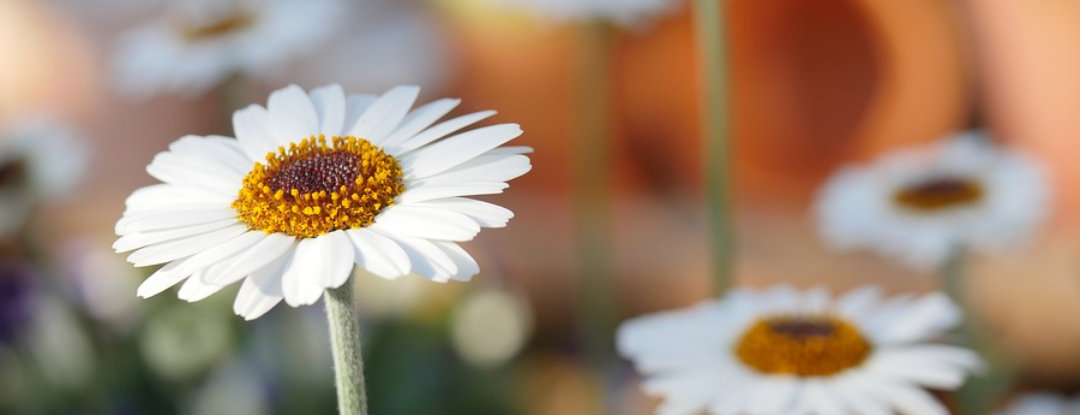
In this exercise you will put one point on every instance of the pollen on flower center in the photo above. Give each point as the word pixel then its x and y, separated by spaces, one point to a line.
pixel 315 187
pixel 939 193
pixel 233 22
pixel 802 346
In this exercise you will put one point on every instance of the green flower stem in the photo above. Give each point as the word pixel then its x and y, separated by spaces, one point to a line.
pixel 592 199
pixel 345 346
pixel 978 395
pixel 709 26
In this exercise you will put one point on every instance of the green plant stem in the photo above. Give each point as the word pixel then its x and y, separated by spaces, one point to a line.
pixel 977 395
pixel 592 199
pixel 709 28
pixel 345 346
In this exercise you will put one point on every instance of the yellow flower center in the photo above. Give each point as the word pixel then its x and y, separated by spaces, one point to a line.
pixel 313 188
pixel 939 194
pixel 802 346
pixel 233 22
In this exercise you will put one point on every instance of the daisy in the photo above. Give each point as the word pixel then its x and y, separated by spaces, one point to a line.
pixel 40 158
pixel 313 184
pixel 780 351
pixel 919 205
pixel 622 12
pixel 197 44
pixel 1042 404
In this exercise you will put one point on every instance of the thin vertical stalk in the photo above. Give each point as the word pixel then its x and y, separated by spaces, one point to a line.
pixel 592 198
pixel 345 347
pixel 712 50
pixel 980 392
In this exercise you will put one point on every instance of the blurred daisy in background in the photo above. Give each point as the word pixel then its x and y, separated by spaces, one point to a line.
pixel 1042 404
pixel 40 158
pixel 395 43
pixel 623 12
pixel 780 351
pixel 195 45
pixel 920 205
pixel 336 181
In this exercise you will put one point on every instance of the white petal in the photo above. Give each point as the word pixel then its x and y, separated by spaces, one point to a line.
pixel 180 248
pixel 427 259
pixel 267 250
pixel 340 256
pixel 510 150
pixel 195 290
pixel 201 173
pixel 771 395
pixel 317 264
pixel 458 149
pixel 418 120
pixel 329 103
pixel 167 195
pixel 928 316
pixel 378 254
pixel 140 239
pixel 355 106
pixel 500 168
pixel 225 150
pixel 161 280
pixel 263 290
pixel 907 400
pixel 204 259
pixel 385 114
pixel 441 130
pixel 426 222
pixel 430 192
pixel 252 127
pixel 819 400
pixel 166 218
pixel 467 266
pixel 292 116
pixel 487 215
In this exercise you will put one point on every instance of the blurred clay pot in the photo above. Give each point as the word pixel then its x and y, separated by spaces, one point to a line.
pixel 1029 59
pixel 47 64
pixel 814 83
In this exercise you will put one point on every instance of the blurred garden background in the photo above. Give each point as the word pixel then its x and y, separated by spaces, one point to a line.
pixel 815 84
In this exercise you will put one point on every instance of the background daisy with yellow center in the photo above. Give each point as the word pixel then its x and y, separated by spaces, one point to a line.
pixel 313 185
pixel 194 45
pixel 919 205
pixel 781 351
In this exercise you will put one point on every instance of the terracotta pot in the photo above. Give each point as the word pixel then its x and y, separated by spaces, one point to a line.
pixel 814 82
pixel 1029 60
pixel 47 65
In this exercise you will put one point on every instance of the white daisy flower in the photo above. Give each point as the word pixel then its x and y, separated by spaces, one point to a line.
pixel 1042 404
pixel 780 351
pixel 197 44
pixel 623 12
pixel 313 184
pixel 919 205
pixel 40 158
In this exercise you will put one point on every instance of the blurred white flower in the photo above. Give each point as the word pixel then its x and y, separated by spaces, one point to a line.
pixel 781 351
pixel 102 283
pixel 490 326
pixel 179 343
pixel 197 44
pixel 60 345
pixel 313 186
pixel 1042 404
pixel 234 389
pixel 40 158
pixel 919 205
pixel 386 43
pixel 628 13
